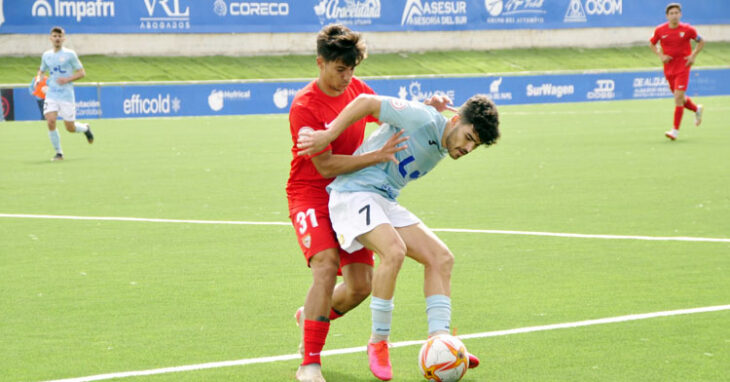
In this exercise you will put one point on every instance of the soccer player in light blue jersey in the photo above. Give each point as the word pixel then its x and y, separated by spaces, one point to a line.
pixel 63 67
pixel 364 211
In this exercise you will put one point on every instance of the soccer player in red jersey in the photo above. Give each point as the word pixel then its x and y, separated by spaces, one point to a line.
pixel 339 51
pixel 677 56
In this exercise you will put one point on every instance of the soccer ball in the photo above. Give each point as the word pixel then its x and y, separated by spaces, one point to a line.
pixel 443 358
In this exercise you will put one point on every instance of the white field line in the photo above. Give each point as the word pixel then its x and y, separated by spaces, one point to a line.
pixel 362 349
pixel 458 230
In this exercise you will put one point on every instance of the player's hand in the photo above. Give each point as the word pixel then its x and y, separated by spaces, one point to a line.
pixel 310 141
pixel 666 58
pixel 441 103
pixel 63 80
pixel 387 152
pixel 690 60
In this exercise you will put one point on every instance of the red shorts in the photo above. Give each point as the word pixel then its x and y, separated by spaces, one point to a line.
pixel 314 233
pixel 678 80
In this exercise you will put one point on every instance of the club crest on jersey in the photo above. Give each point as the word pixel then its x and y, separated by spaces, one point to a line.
pixel 341 239
pixel 681 34
pixel 307 241
pixel 398 104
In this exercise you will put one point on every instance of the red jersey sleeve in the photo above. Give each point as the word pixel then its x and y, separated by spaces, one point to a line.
pixel 691 33
pixel 302 117
pixel 655 38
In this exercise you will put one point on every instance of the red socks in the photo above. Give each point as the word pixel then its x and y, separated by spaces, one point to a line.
pixel 334 314
pixel 315 334
pixel 678 112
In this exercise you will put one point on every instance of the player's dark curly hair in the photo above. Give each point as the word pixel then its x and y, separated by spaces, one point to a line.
pixel 481 112
pixel 337 42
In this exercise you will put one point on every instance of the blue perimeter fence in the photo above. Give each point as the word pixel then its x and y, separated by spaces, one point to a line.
pixel 131 100
pixel 297 16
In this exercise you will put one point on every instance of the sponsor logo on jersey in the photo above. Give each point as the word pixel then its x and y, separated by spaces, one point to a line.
pixel 68 8
pixel 162 104
pixel 604 90
pixel 417 12
pixel 350 12
pixel 549 90
pixel 398 104
pixel 166 15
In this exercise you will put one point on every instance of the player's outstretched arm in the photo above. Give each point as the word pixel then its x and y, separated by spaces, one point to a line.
pixel 331 165
pixel 310 142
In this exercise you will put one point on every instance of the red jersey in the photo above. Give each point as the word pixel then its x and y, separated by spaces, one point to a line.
pixel 313 108
pixel 675 43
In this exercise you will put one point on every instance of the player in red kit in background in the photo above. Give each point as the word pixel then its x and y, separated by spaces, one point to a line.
pixel 678 57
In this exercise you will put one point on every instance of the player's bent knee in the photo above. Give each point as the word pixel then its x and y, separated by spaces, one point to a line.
pixel 443 259
pixel 325 264
pixel 360 291
pixel 394 256
pixel 446 260
pixel 442 262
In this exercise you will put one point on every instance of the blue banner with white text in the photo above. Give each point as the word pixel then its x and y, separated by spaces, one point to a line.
pixel 287 16
pixel 275 97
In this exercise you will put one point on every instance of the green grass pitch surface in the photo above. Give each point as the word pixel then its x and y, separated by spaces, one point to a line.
pixel 80 298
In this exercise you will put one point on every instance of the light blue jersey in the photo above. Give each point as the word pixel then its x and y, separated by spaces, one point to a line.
pixel 424 127
pixel 60 64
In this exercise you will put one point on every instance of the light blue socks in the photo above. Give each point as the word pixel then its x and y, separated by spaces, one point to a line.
pixel 382 316
pixel 55 140
pixel 438 310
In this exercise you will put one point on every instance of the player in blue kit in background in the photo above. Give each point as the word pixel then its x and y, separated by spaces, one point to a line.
pixel 364 210
pixel 63 68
